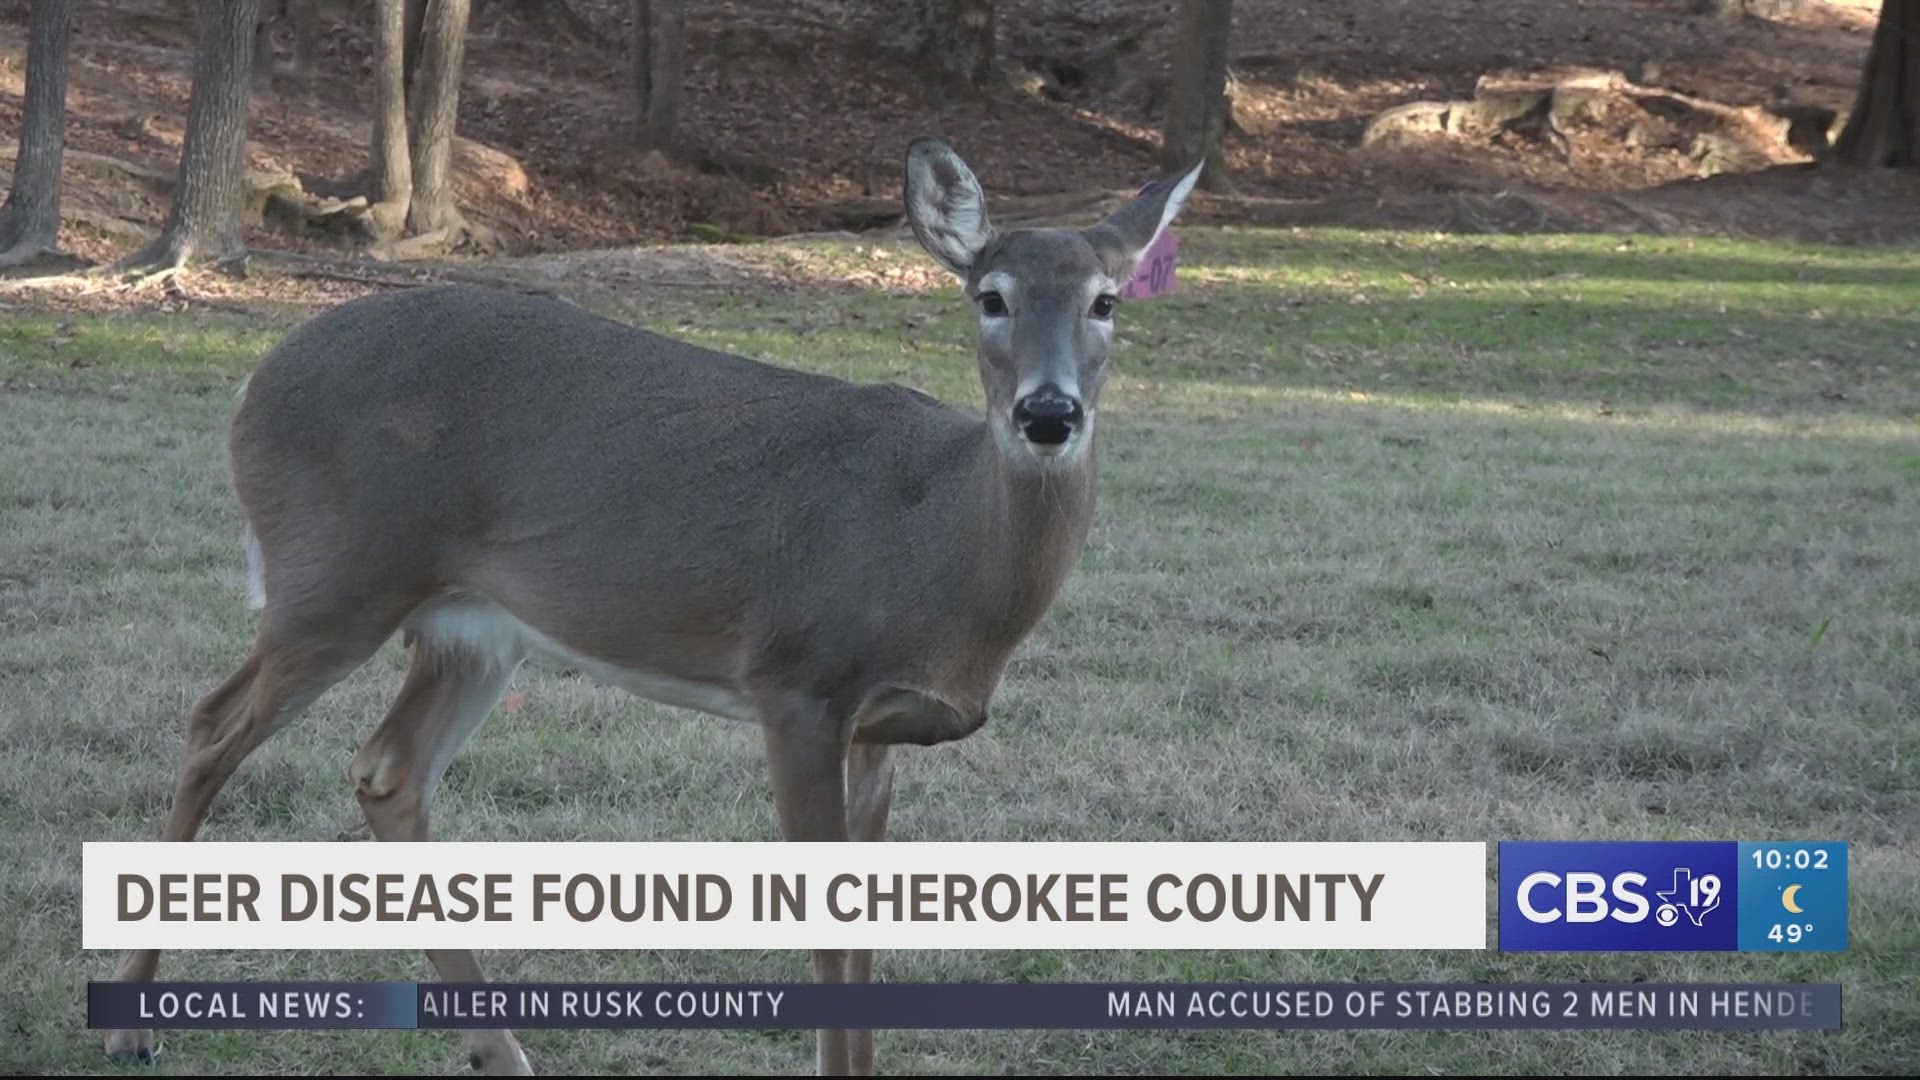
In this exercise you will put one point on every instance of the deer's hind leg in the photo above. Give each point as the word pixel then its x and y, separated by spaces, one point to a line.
pixel 283 675
pixel 450 689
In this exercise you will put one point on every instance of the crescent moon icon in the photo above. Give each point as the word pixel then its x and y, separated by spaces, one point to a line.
pixel 1786 899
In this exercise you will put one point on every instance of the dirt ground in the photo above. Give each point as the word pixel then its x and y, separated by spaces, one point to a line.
pixel 795 114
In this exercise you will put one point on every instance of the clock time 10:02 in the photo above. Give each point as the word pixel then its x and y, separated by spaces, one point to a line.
pixel 1797 859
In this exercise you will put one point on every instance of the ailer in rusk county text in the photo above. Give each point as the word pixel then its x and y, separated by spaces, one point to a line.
pixel 593 1005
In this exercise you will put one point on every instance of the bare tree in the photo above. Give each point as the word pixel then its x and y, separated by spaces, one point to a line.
pixel 263 45
pixel 955 37
pixel 416 26
pixel 1884 128
pixel 204 224
pixel 436 108
pixel 1197 106
pixel 640 57
pixel 392 166
pixel 306 36
pixel 30 222
pixel 659 56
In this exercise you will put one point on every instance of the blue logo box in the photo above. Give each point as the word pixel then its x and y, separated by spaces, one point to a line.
pixel 1672 896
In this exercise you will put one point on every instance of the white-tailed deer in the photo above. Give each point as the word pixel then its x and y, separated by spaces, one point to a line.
pixel 499 476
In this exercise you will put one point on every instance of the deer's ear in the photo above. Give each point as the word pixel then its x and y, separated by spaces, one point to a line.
pixel 1123 238
pixel 945 205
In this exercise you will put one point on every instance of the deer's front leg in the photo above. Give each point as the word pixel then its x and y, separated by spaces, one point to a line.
pixel 869 797
pixel 806 761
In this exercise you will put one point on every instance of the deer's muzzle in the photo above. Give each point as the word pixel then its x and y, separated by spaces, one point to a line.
pixel 1048 416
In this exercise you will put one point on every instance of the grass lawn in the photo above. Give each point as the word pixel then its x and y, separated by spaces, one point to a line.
pixel 1403 537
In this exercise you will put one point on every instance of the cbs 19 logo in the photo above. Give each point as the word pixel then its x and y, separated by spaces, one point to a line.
pixel 1586 897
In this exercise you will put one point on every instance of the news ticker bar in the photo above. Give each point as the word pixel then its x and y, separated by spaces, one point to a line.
pixel 978 1006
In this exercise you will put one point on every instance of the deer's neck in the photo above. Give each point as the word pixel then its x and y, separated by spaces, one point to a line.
pixel 1039 517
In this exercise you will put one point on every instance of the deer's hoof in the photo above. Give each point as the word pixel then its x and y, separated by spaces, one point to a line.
pixel 130 1046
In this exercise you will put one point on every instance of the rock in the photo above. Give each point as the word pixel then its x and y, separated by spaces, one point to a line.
pixel 333 207
pixel 1740 10
pixel 474 164
pixel 1805 128
pixel 487 167
pixel 1718 154
pixel 1311 71
pixel 1611 81
pixel 1571 103
pixel 1491 111
pixel 1496 110
pixel 274 199
pixel 283 212
pixel 1413 118
pixel 427 245
pixel 1030 82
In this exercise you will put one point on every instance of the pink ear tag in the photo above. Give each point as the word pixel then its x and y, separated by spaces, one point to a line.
pixel 1154 276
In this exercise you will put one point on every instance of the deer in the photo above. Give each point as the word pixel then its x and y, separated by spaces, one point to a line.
pixel 498 476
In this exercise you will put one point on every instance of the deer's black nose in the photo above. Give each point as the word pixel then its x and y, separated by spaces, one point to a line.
pixel 1048 416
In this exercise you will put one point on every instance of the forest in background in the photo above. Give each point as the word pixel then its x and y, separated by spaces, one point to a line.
pixel 766 119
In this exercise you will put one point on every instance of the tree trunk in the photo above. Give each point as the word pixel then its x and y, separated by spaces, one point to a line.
pixel 204 224
pixel 640 54
pixel 436 110
pixel 306 37
pixel 30 223
pixel 1197 104
pixel 1884 128
pixel 666 69
pixel 955 36
pixel 392 167
pixel 263 46
pixel 416 28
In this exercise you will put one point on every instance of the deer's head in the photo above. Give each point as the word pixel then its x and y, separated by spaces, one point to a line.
pixel 1046 297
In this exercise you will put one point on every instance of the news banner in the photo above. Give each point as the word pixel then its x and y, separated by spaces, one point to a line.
pixel 1553 896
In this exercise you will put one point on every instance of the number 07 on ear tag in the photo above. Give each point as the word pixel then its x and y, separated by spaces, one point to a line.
pixel 1154 276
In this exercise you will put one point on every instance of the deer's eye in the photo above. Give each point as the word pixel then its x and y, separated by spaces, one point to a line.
pixel 1103 306
pixel 993 304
